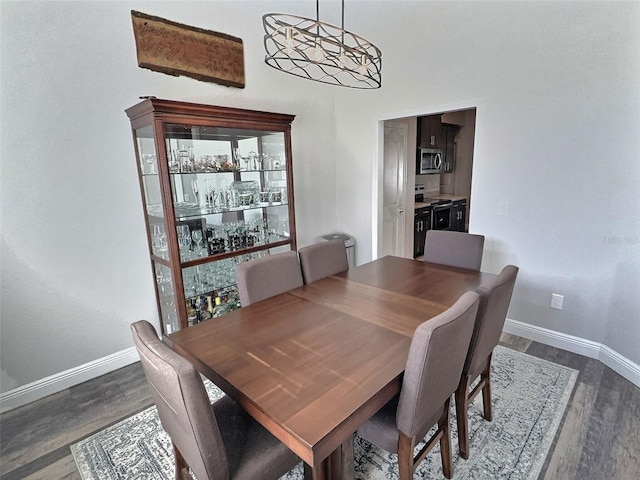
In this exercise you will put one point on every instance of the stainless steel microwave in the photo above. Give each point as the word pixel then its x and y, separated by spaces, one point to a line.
pixel 429 161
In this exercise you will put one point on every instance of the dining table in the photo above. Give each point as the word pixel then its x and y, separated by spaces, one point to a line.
pixel 313 364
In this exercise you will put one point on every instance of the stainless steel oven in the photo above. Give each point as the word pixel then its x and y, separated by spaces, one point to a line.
pixel 441 214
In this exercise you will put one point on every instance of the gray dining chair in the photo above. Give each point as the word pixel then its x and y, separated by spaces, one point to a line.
pixel 495 297
pixel 454 249
pixel 435 361
pixel 268 276
pixel 217 442
pixel 323 259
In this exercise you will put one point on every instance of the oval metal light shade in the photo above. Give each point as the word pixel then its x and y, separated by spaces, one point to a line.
pixel 322 52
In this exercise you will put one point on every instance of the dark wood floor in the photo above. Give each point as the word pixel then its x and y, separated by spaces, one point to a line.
pixel 599 437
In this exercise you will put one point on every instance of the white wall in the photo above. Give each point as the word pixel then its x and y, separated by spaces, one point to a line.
pixel 557 86
pixel 557 90
pixel 75 268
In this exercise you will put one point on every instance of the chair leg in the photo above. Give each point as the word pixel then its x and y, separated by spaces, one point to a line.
pixel 405 457
pixel 445 441
pixel 181 464
pixel 462 420
pixel 486 390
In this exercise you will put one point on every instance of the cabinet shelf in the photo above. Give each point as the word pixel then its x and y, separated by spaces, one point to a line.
pixel 147 173
pixel 217 187
pixel 192 211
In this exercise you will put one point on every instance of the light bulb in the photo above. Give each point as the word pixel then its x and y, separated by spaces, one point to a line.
pixel 342 59
pixel 363 68
pixel 318 53
pixel 289 46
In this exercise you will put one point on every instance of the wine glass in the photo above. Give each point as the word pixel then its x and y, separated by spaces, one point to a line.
pixel 196 235
pixel 184 241
pixel 159 240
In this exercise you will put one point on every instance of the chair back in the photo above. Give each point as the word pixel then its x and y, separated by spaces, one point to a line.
pixel 183 405
pixel 268 276
pixel 436 355
pixel 323 259
pixel 495 297
pixel 454 249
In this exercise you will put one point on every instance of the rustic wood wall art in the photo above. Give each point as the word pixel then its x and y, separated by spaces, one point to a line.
pixel 177 49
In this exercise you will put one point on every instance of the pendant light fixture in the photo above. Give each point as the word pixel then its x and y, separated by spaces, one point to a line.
pixel 319 51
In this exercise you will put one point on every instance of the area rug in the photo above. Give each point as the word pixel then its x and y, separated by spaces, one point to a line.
pixel 530 396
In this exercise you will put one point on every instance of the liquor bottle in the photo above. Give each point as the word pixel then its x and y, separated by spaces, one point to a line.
pixel 210 309
pixel 191 313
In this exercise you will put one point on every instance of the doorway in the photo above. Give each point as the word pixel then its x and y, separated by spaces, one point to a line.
pixel 454 183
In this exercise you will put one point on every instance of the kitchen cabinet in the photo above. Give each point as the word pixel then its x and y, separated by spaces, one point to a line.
pixel 422 223
pixel 430 132
pixel 217 189
pixel 459 215
pixel 448 136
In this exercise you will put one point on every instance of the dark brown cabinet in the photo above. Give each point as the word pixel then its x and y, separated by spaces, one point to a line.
pixel 422 223
pixel 459 215
pixel 217 189
pixel 430 132
pixel 448 137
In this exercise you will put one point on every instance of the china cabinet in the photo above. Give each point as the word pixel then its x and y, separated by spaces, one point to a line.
pixel 217 189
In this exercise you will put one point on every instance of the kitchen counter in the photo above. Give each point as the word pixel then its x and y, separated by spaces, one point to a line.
pixel 442 196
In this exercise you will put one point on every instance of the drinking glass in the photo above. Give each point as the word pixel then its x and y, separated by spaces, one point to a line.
pixel 184 241
pixel 196 191
pixel 159 240
pixel 196 235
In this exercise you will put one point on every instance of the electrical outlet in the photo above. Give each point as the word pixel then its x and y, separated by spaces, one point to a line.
pixel 503 208
pixel 186 197
pixel 556 301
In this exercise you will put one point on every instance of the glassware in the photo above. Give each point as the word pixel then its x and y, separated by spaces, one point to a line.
pixel 184 241
pixel 150 160
pixel 196 192
pixel 196 235
pixel 276 197
pixel 245 193
pixel 183 159
pixel 215 241
pixel 159 240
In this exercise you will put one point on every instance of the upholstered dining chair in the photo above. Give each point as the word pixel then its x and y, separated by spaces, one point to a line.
pixel 455 249
pixel 217 442
pixel 323 259
pixel 495 297
pixel 436 356
pixel 268 276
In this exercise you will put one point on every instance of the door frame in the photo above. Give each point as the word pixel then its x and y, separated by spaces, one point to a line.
pixel 378 167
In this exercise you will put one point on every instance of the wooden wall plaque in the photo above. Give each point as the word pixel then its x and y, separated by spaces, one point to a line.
pixel 177 49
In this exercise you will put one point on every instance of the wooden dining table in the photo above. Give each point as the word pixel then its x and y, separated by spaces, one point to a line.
pixel 313 364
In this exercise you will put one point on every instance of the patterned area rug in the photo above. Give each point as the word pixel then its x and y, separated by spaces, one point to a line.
pixel 529 399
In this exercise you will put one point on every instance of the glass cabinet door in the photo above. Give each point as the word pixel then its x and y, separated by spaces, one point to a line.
pixel 156 226
pixel 214 196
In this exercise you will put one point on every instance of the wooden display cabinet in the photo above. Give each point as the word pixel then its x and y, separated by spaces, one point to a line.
pixel 217 189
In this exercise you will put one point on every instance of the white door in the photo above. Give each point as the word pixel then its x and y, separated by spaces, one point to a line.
pixel 393 183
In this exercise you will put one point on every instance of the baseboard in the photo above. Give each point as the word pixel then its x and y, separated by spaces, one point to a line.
pixel 56 383
pixel 612 359
pixel 69 378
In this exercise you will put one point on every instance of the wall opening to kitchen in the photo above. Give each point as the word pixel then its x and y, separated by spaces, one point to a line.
pixel 452 134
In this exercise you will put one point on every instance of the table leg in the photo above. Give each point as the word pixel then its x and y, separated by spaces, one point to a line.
pixel 341 461
pixel 337 466
pixel 317 473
